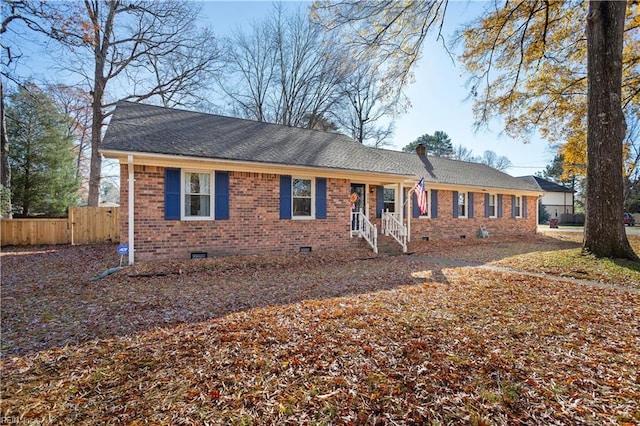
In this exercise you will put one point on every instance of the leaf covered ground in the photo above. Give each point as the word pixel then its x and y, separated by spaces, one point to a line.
pixel 320 338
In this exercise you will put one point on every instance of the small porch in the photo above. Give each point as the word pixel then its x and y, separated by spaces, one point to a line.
pixel 384 204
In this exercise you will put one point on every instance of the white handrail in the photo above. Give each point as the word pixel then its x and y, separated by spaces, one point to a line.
pixel 364 229
pixel 391 225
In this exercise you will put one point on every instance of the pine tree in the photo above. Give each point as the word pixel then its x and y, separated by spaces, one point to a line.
pixel 43 177
pixel 438 145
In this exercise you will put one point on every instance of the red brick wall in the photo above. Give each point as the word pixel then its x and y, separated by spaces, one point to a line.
pixel 254 225
pixel 445 226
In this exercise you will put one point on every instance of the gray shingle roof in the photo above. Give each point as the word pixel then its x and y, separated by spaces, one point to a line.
pixel 544 184
pixel 447 171
pixel 150 129
pixel 140 128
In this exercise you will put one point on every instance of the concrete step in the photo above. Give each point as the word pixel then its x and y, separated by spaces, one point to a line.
pixel 389 246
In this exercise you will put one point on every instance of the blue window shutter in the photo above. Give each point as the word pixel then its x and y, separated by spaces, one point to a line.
pixel 222 195
pixel 379 201
pixel 499 205
pixel 470 206
pixel 321 198
pixel 486 205
pixel 172 194
pixel 285 197
pixel 415 209
pixel 455 203
pixel 513 206
pixel 434 203
pixel 524 206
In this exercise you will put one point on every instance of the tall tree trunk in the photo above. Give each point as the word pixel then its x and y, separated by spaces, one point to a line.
pixel 100 46
pixel 5 168
pixel 95 169
pixel 605 235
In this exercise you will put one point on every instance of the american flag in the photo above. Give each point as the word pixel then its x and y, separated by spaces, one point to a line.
pixel 421 196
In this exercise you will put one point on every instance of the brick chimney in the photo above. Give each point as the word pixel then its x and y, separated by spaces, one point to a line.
pixel 421 149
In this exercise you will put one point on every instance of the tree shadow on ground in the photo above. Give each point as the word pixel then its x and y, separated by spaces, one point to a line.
pixel 49 301
pixel 487 250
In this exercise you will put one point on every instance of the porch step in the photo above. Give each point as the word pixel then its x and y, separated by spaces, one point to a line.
pixel 388 246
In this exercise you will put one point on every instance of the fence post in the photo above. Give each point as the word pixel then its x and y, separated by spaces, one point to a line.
pixel 70 226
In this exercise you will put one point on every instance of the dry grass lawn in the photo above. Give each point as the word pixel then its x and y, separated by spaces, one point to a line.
pixel 323 338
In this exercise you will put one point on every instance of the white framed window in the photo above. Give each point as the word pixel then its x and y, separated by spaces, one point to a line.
pixel 389 199
pixel 517 207
pixel 197 196
pixel 303 197
pixel 493 205
pixel 462 204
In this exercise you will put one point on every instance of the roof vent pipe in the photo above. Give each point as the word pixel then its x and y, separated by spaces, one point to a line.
pixel 421 149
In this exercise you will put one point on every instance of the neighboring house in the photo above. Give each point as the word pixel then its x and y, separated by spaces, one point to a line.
pixel 196 184
pixel 557 199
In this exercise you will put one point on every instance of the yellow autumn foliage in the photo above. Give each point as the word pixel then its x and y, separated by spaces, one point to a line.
pixel 527 60
pixel 528 65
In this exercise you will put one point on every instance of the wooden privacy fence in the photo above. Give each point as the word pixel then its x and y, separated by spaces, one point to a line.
pixel 94 224
pixel 85 225
pixel 24 232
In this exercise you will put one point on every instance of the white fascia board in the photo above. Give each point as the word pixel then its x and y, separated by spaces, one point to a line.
pixel 166 160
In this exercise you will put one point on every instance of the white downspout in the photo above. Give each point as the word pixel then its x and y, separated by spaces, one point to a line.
pixel 539 201
pixel 131 209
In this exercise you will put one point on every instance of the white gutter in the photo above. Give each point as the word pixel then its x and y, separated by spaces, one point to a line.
pixel 374 178
pixel 131 209
pixel 169 160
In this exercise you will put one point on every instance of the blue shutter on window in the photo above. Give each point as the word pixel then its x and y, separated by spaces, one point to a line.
pixel 524 206
pixel 285 197
pixel 222 195
pixel 321 198
pixel 434 203
pixel 487 213
pixel 379 201
pixel 172 194
pixel 470 210
pixel 513 206
pixel 415 208
pixel 455 204
pixel 499 205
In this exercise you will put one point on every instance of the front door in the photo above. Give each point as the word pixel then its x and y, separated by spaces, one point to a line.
pixel 358 202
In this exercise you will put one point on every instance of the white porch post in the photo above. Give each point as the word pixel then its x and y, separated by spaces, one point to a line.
pixel 409 214
pixel 131 209
pixel 367 195
pixel 400 196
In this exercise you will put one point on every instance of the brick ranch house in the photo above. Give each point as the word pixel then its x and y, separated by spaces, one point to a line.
pixel 195 184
